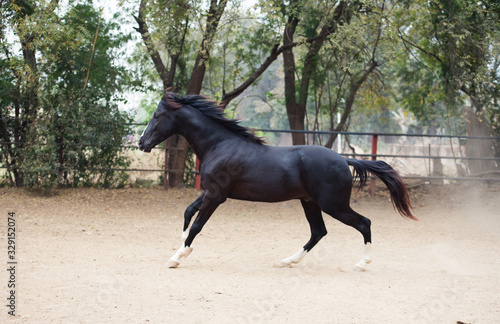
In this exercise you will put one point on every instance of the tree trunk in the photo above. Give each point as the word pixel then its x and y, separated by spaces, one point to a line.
pixel 353 90
pixel 437 164
pixel 478 148
pixel 178 148
pixel 295 111
pixel 6 148
pixel 296 103
pixel 165 75
pixel 28 114
pixel 179 155
pixel 296 119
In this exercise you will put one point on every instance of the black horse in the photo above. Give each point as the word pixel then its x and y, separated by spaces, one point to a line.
pixel 236 164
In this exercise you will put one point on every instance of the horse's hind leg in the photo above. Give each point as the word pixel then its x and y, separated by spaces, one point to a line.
pixel 318 230
pixel 189 213
pixel 346 215
pixel 362 224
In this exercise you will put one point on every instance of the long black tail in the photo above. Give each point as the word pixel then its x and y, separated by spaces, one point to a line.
pixel 396 185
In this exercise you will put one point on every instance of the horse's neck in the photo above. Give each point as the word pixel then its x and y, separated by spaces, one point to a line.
pixel 202 133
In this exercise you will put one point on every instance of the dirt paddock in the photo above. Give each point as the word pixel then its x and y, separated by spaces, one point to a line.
pixel 97 256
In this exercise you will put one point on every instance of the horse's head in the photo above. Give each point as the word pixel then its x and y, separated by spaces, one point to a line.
pixel 162 125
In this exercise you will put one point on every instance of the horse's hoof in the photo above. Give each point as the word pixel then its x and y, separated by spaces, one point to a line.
pixel 282 264
pixel 172 264
pixel 358 269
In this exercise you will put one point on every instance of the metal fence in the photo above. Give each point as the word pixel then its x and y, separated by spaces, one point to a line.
pixel 413 155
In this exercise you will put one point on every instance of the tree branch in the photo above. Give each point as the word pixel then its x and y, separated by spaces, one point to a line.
pixel 275 52
pixel 153 53
pixel 278 50
pixel 405 41
pixel 213 18
pixel 175 57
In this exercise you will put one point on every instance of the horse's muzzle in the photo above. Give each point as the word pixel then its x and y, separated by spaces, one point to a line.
pixel 143 147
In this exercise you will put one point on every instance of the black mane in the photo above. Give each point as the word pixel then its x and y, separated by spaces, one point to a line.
pixel 212 110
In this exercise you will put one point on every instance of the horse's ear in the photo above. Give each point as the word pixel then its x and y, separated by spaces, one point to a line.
pixel 167 93
pixel 171 99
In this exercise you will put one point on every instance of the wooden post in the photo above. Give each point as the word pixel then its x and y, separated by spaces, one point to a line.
pixel 197 177
pixel 374 157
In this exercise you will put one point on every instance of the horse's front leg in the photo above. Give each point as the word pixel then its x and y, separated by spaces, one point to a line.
pixel 208 206
pixel 189 213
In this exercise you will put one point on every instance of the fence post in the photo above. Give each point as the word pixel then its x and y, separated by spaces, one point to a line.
pixel 165 174
pixel 430 158
pixel 374 157
pixel 197 177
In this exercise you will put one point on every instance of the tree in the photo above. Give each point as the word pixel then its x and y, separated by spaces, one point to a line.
pixel 71 131
pixel 353 55
pixel 296 12
pixel 312 68
pixel 459 49
pixel 174 40
pixel 175 36
pixel 21 82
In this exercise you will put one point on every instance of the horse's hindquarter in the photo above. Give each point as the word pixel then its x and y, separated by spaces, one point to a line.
pixel 325 172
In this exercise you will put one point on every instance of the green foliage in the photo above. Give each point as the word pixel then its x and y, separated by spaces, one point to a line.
pixel 342 62
pixel 450 50
pixel 79 130
pixel 80 147
pixel 433 58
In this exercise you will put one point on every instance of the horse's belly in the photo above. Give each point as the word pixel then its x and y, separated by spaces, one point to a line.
pixel 267 191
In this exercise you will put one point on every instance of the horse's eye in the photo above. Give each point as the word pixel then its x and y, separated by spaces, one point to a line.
pixel 155 115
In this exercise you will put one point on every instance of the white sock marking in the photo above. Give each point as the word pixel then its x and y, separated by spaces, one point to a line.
pixel 367 259
pixel 296 258
pixel 182 252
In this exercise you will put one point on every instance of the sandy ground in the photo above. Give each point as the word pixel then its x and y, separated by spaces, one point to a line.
pixel 97 256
